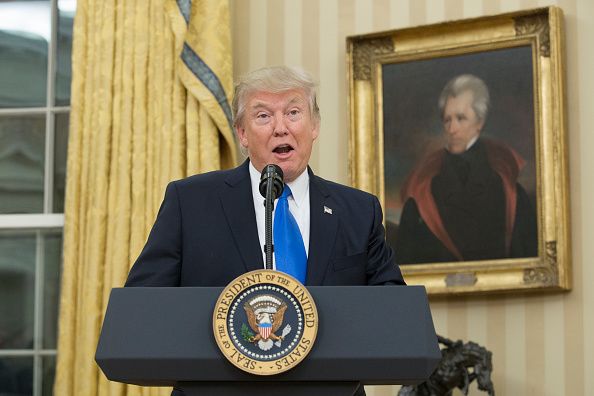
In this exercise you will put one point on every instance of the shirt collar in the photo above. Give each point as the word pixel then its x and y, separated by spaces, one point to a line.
pixel 299 186
pixel 470 143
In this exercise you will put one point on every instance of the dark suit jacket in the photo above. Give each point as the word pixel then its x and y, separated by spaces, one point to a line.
pixel 206 235
pixel 469 193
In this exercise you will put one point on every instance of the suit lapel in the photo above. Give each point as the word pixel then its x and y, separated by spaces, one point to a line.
pixel 238 205
pixel 322 230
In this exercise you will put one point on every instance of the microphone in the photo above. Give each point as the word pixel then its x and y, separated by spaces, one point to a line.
pixel 271 187
pixel 272 175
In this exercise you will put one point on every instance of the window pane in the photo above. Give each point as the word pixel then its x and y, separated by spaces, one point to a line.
pixel 60 151
pixel 16 376
pixel 22 159
pixel 66 9
pixel 24 34
pixel 17 289
pixel 49 374
pixel 52 259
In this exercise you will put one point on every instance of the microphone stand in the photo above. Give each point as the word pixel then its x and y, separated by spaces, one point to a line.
pixel 271 186
pixel 268 208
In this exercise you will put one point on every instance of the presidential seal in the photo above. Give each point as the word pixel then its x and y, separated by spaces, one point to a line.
pixel 265 322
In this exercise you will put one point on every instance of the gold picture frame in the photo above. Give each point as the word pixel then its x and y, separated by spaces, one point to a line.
pixel 395 79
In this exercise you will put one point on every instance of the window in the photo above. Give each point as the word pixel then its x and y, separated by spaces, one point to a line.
pixel 35 50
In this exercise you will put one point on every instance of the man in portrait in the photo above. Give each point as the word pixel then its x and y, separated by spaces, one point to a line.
pixel 463 202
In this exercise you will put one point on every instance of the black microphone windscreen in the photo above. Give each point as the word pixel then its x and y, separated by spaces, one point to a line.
pixel 272 174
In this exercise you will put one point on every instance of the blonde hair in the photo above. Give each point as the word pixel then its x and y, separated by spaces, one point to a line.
pixel 274 79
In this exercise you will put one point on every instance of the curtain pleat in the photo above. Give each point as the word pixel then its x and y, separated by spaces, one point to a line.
pixel 139 119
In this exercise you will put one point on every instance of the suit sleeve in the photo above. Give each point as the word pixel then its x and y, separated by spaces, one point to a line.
pixel 159 263
pixel 381 263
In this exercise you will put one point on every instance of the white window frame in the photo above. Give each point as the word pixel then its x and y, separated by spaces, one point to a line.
pixel 47 220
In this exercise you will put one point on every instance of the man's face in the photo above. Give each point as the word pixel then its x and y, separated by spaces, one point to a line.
pixel 277 128
pixel 460 122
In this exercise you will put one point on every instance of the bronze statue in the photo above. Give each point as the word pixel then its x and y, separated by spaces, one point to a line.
pixel 461 364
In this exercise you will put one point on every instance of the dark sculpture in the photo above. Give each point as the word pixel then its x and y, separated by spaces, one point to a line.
pixel 461 363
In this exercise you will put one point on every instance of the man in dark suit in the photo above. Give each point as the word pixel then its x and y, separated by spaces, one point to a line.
pixel 210 227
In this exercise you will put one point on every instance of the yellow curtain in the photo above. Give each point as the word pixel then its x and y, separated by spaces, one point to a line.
pixel 150 96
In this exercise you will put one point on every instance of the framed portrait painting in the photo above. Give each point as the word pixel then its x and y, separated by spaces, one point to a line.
pixel 459 129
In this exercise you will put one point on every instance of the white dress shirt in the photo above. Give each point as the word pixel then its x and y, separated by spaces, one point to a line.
pixel 298 206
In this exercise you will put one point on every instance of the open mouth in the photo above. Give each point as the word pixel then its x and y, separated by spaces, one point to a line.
pixel 283 149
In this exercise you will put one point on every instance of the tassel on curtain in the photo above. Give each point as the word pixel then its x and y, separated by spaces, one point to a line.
pixel 150 90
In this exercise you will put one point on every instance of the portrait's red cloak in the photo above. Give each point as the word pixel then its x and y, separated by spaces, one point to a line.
pixel 504 160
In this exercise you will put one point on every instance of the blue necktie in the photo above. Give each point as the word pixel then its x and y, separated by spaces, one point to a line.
pixel 289 250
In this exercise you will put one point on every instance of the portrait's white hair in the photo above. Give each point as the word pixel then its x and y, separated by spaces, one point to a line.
pixel 467 83
pixel 274 79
